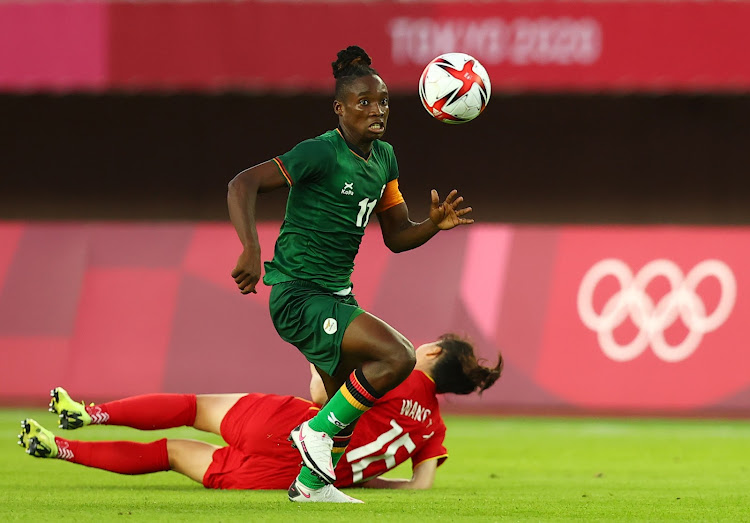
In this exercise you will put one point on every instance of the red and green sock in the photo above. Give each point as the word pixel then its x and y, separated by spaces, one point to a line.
pixel 355 397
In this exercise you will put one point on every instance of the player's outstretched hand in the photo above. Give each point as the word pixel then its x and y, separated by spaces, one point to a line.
pixel 447 215
pixel 246 273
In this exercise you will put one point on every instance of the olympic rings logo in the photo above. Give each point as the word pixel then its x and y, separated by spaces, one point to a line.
pixel 652 319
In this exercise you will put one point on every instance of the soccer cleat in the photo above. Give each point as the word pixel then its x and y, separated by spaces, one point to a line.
pixel 37 440
pixel 315 448
pixel 328 494
pixel 72 415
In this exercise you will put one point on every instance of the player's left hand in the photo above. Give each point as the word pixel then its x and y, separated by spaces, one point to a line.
pixel 447 215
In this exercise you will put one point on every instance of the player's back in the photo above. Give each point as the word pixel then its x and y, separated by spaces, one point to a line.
pixel 404 424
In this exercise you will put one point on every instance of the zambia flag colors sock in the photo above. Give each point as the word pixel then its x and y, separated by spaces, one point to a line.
pixel 354 398
pixel 340 442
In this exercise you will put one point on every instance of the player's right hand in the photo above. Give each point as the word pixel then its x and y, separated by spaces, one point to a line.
pixel 246 273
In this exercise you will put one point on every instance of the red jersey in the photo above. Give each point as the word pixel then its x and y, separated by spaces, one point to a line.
pixel 404 424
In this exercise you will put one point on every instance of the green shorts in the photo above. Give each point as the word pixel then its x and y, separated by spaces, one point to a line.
pixel 312 319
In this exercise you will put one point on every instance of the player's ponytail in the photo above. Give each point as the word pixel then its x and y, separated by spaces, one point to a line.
pixel 457 369
pixel 351 63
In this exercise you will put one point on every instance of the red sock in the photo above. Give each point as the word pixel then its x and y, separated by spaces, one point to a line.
pixel 147 412
pixel 123 457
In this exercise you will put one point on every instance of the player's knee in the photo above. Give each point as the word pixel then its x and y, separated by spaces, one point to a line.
pixel 403 360
pixel 393 365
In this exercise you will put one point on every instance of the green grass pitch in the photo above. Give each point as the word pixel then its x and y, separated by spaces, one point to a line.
pixel 500 469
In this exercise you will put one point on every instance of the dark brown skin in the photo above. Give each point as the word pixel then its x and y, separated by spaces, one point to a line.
pixel 385 356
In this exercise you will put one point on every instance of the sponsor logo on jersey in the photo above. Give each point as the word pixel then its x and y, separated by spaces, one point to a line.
pixel 348 189
pixel 330 326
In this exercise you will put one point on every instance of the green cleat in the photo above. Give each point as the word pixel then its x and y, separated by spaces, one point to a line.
pixel 37 440
pixel 72 415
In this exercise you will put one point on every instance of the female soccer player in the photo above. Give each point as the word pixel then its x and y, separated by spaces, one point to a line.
pixel 337 181
pixel 405 423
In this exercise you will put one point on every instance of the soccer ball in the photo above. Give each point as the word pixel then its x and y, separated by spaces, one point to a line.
pixel 454 88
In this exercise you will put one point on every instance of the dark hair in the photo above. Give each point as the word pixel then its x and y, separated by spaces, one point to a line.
pixel 351 63
pixel 457 369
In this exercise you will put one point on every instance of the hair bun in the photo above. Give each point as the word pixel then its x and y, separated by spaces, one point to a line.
pixel 352 56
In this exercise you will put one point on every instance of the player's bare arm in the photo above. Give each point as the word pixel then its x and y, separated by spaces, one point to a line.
pixel 241 197
pixel 422 478
pixel 401 234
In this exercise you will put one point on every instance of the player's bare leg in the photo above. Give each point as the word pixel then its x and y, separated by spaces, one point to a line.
pixel 190 457
pixel 385 356
pixel 211 409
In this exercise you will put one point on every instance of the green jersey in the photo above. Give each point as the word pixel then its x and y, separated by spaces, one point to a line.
pixel 333 192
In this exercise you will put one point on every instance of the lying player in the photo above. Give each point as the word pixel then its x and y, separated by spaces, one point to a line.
pixel 406 423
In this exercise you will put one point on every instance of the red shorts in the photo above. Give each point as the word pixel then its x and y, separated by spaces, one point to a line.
pixel 258 455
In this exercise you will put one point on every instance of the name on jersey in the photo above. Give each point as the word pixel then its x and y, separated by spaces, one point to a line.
pixel 414 410
pixel 348 189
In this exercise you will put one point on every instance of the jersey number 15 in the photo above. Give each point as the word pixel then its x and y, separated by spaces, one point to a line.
pixel 384 447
